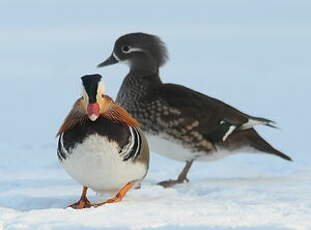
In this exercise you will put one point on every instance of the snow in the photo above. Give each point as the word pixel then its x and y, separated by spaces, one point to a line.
pixel 254 55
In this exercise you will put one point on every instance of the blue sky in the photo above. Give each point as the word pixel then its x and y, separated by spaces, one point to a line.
pixel 254 55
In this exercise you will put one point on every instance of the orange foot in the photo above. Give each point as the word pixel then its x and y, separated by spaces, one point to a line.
pixel 83 202
pixel 122 192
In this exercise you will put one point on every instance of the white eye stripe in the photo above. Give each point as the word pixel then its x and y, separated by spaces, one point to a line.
pixel 84 94
pixel 128 49
pixel 135 50
pixel 101 88
pixel 100 91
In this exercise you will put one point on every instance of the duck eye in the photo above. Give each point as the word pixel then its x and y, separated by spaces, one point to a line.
pixel 125 49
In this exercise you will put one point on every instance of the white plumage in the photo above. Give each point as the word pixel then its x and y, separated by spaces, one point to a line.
pixel 97 164
pixel 174 149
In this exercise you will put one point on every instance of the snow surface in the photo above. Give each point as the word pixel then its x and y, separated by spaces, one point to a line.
pixel 254 55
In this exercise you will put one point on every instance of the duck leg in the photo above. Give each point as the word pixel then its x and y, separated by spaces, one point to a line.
pixel 117 198
pixel 83 202
pixel 181 178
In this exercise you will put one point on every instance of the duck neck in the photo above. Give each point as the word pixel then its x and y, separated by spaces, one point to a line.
pixel 144 65
pixel 136 85
pixel 144 80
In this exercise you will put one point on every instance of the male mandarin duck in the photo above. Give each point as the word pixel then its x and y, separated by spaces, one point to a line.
pixel 101 146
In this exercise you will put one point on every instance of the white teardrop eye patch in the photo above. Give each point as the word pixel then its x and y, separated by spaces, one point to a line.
pixel 129 49
pixel 125 49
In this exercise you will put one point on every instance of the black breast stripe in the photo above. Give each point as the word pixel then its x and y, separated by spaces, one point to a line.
pixel 61 152
pixel 135 150
pixel 138 149
pixel 127 138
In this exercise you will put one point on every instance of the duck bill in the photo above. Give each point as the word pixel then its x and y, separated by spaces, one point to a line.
pixel 93 111
pixel 109 61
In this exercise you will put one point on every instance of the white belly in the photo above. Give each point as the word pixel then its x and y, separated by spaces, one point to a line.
pixel 98 165
pixel 174 149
